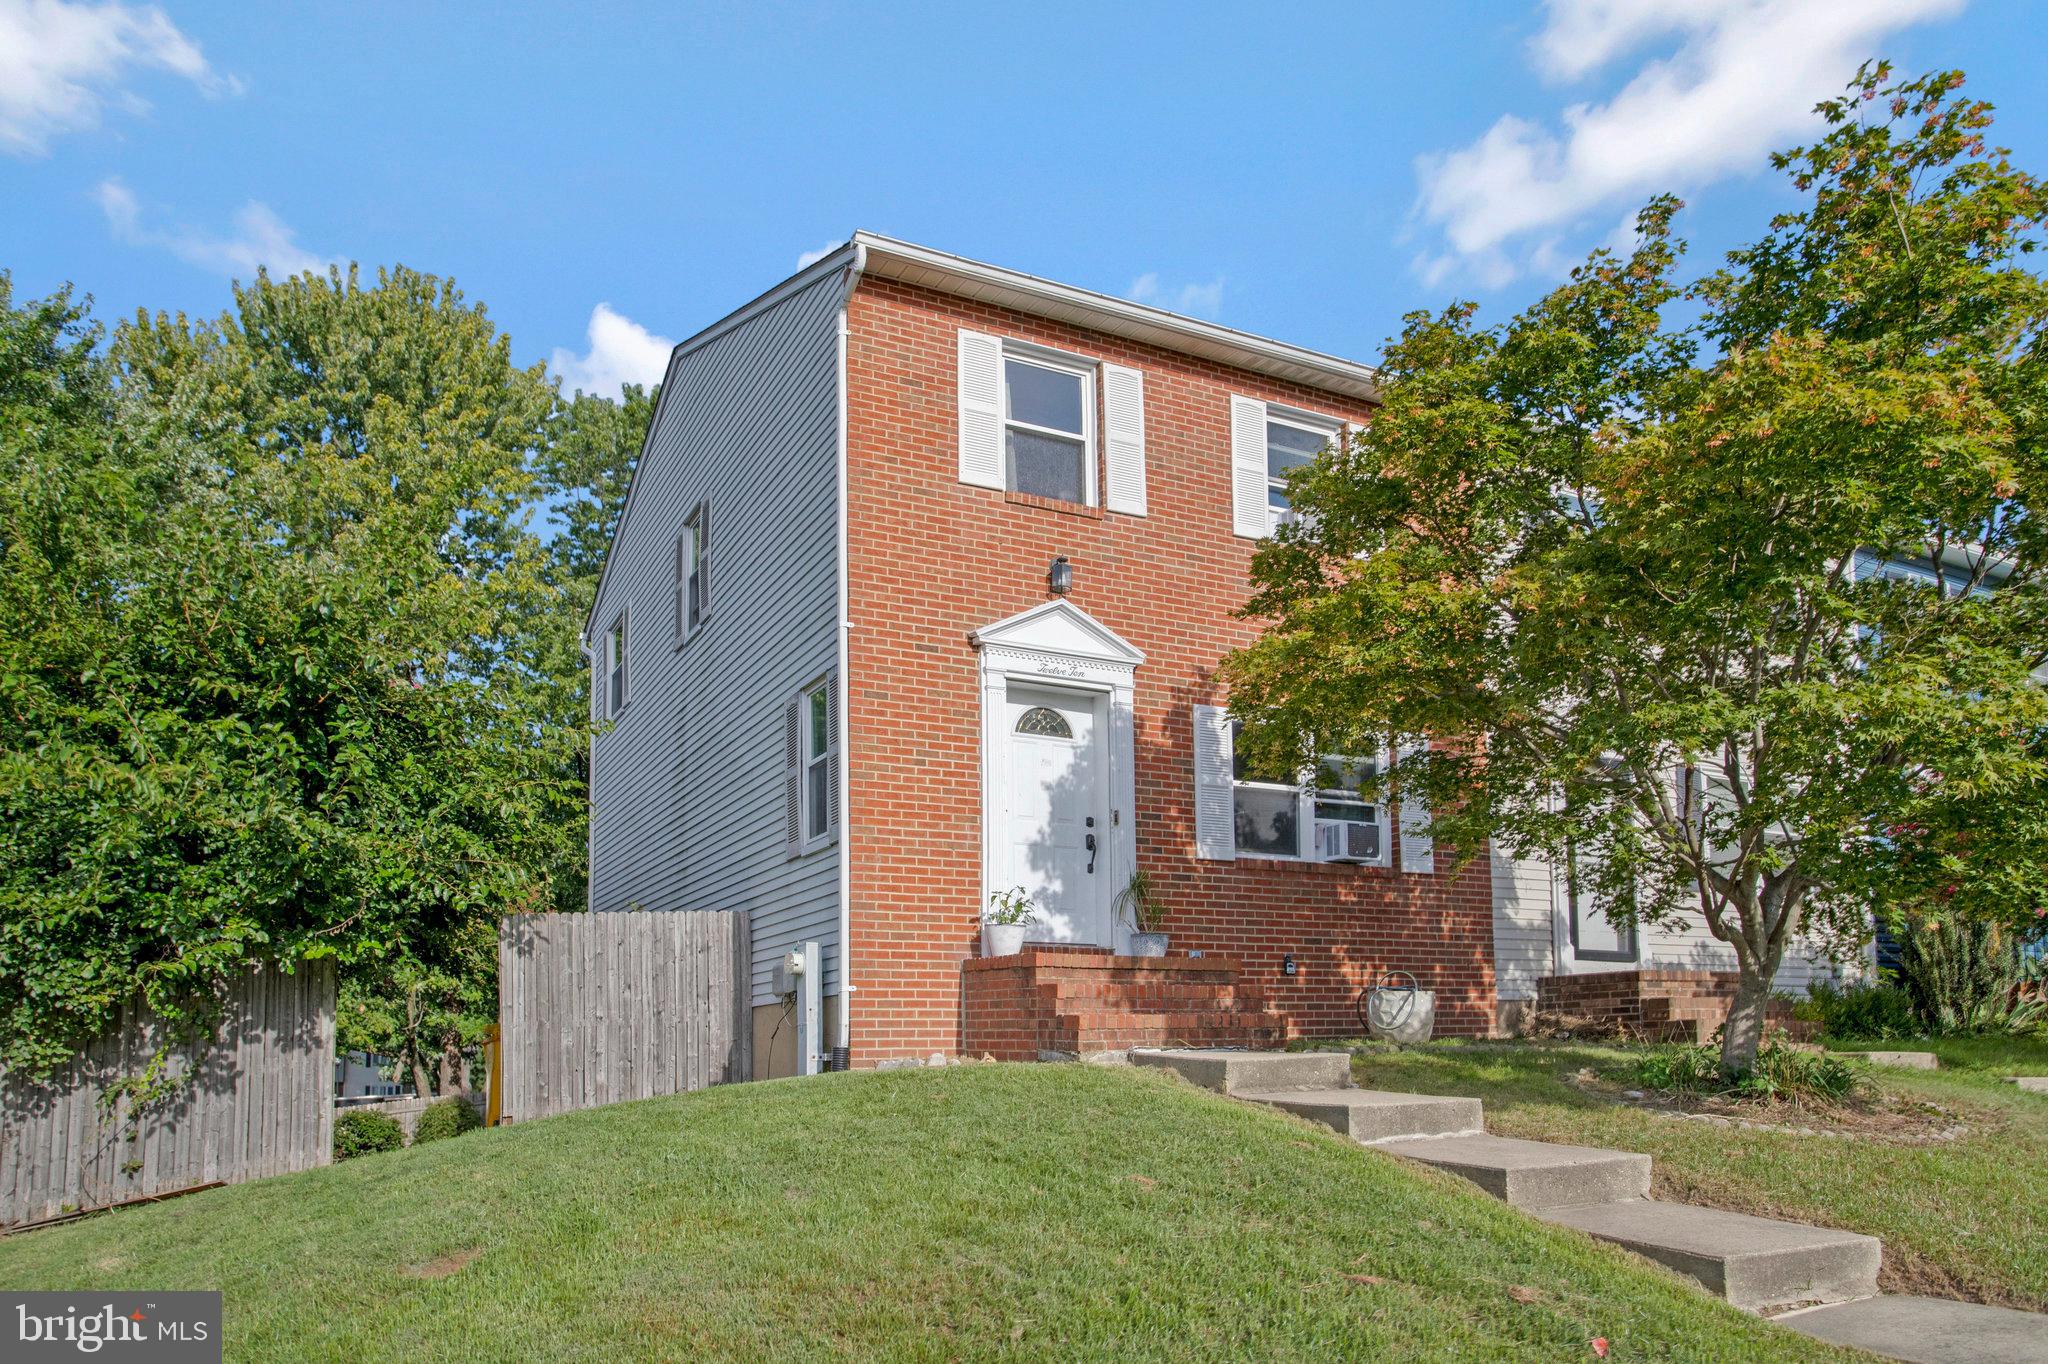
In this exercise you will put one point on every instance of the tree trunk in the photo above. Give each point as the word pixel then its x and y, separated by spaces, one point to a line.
pixel 1744 1031
pixel 451 1064
pixel 422 1082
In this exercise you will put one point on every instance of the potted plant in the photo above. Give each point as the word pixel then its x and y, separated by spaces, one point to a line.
pixel 1141 901
pixel 1002 923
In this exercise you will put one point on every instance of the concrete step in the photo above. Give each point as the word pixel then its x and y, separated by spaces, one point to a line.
pixel 1375 1115
pixel 2033 1084
pixel 1533 1174
pixel 1238 1072
pixel 1909 1060
pixel 1753 1262
pixel 1929 1330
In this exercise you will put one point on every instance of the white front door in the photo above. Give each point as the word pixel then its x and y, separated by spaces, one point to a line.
pixel 1056 811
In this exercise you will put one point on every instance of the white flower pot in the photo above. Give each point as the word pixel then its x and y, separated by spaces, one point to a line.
pixel 1148 944
pixel 1002 940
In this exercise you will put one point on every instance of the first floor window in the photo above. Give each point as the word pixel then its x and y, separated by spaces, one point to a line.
pixel 1341 780
pixel 1595 937
pixel 811 812
pixel 1267 805
pixel 1280 814
pixel 615 668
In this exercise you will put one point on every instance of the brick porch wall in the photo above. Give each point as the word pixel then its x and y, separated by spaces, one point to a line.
pixel 1657 1003
pixel 932 559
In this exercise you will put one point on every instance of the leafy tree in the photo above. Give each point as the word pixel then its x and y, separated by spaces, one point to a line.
pixel 1608 554
pixel 267 685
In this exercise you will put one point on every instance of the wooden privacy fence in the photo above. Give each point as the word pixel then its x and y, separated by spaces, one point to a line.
pixel 258 1101
pixel 600 1008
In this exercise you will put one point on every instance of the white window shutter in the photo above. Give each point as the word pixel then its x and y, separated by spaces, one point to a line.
pixel 981 409
pixel 1215 803
pixel 793 776
pixel 1123 421
pixel 1418 848
pixel 1248 513
pixel 832 753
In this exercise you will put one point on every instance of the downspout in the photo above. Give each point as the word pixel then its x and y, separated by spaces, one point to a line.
pixel 589 777
pixel 842 1042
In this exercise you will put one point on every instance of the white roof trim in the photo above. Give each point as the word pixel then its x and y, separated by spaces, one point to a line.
pixel 888 258
pixel 1059 627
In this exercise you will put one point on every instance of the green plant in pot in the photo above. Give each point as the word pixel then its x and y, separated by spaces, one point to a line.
pixel 1139 899
pixel 1002 923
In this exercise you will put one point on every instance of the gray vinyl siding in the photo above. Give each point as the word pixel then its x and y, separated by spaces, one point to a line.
pixel 686 791
pixel 1521 925
pixel 1527 937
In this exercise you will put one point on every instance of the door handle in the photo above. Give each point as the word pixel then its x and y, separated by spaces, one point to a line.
pixel 1091 854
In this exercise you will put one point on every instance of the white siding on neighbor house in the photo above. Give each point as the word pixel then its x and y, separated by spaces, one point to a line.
pixel 1521 925
pixel 1531 939
pixel 686 798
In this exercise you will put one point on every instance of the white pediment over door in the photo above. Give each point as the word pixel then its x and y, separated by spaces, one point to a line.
pixel 1059 639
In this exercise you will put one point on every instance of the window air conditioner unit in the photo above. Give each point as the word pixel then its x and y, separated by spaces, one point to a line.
pixel 1344 840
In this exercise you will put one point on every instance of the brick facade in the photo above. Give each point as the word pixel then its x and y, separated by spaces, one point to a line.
pixel 932 559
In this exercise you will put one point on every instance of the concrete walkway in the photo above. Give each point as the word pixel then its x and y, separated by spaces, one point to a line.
pixel 1756 1263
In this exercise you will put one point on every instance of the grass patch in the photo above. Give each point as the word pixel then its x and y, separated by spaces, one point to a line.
pixel 1961 1217
pixel 982 1212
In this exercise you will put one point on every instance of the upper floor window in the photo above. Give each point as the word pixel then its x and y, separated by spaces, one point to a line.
pixel 615 667
pixel 1290 444
pixel 1268 442
pixel 693 572
pixel 1048 411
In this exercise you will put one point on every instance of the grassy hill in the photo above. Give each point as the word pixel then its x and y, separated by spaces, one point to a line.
pixel 1024 1212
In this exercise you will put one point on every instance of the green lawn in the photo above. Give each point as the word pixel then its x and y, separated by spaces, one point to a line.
pixel 1963 1218
pixel 1019 1212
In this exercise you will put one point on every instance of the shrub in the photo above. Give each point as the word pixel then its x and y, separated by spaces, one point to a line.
pixel 1960 975
pixel 1780 1072
pixel 361 1134
pixel 1879 1013
pixel 446 1118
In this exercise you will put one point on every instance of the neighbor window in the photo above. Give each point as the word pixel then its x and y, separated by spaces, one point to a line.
pixel 1047 411
pixel 816 720
pixel 1595 937
pixel 615 668
pixel 693 572
pixel 1290 444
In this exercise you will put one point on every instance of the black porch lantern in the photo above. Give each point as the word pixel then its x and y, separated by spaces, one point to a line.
pixel 1060 577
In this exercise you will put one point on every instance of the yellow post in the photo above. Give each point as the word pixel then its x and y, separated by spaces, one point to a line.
pixel 494 1102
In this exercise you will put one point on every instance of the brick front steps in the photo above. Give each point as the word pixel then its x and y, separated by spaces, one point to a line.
pixel 1044 1004
pixel 1658 1005
pixel 1754 1262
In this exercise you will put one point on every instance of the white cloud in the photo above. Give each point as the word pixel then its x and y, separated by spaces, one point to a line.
pixel 1195 300
pixel 61 64
pixel 813 257
pixel 260 237
pixel 1743 79
pixel 621 352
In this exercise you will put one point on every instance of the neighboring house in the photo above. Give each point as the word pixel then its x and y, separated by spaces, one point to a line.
pixel 847 694
pixel 1547 928
pixel 364 1075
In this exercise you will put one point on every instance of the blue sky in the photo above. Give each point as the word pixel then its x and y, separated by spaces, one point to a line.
pixel 1306 171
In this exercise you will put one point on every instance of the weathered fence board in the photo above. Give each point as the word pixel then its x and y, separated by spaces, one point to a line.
pixel 600 1008
pixel 259 1101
